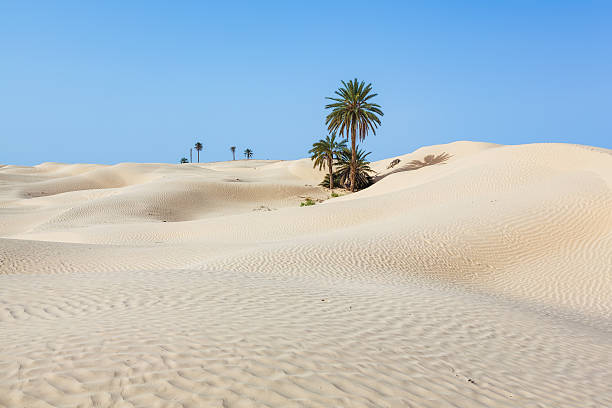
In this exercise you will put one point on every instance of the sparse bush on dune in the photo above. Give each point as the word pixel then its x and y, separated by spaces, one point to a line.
pixel 309 201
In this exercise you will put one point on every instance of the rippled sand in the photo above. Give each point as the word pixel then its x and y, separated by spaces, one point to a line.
pixel 482 281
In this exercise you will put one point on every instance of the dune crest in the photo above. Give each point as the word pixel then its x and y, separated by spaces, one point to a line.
pixel 481 280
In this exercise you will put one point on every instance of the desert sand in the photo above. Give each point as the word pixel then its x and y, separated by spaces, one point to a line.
pixel 482 281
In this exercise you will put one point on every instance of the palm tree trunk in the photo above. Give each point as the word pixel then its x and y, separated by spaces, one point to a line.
pixel 234 155
pixel 198 156
pixel 331 173
pixel 353 159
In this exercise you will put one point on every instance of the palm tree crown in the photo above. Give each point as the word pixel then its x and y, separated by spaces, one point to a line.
pixel 353 115
pixel 343 164
pixel 362 168
pixel 248 153
pixel 199 147
pixel 324 152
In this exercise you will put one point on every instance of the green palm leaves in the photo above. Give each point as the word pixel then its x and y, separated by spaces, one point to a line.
pixel 199 147
pixel 343 164
pixel 353 115
pixel 324 152
pixel 362 168
pixel 248 153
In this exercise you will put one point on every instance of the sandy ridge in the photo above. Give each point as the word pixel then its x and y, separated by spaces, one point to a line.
pixel 482 281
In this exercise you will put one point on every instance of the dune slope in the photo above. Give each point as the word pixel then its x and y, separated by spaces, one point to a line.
pixel 483 280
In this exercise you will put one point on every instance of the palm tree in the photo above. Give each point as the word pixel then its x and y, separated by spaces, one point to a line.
pixel 248 153
pixel 343 173
pixel 199 147
pixel 184 160
pixel 324 152
pixel 352 114
pixel 233 150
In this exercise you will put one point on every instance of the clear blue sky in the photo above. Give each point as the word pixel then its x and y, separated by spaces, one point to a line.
pixel 142 81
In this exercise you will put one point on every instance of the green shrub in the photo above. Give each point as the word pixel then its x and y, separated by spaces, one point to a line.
pixel 309 201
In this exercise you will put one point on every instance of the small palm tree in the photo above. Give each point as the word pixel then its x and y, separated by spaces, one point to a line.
pixel 343 173
pixel 353 114
pixel 248 153
pixel 324 152
pixel 184 160
pixel 233 150
pixel 199 147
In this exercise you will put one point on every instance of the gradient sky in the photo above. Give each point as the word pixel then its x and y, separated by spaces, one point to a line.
pixel 142 81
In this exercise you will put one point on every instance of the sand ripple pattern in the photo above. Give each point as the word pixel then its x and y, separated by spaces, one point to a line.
pixel 481 282
pixel 193 339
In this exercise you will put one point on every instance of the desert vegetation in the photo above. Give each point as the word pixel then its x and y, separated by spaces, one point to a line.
pixel 342 176
pixel 198 146
pixel 325 152
pixel 307 202
pixel 353 115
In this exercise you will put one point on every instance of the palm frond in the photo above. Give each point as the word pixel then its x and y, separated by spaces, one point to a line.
pixel 363 177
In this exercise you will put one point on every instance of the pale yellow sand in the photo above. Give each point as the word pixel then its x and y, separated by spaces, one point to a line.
pixel 485 281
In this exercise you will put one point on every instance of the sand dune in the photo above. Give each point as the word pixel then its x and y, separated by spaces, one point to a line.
pixel 481 281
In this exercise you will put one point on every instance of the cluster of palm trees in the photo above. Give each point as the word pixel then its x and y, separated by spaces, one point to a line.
pixel 198 146
pixel 353 116
pixel 248 153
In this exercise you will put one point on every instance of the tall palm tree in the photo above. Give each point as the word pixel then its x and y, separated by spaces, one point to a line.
pixel 199 147
pixel 324 152
pixel 353 114
pixel 248 153
pixel 233 150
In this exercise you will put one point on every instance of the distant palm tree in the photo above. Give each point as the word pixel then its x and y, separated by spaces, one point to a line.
pixel 324 152
pixel 199 147
pixel 184 160
pixel 352 114
pixel 233 149
pixel 248 153
pixel 343 165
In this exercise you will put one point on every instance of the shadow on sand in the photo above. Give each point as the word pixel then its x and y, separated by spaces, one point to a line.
pixel 428 160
